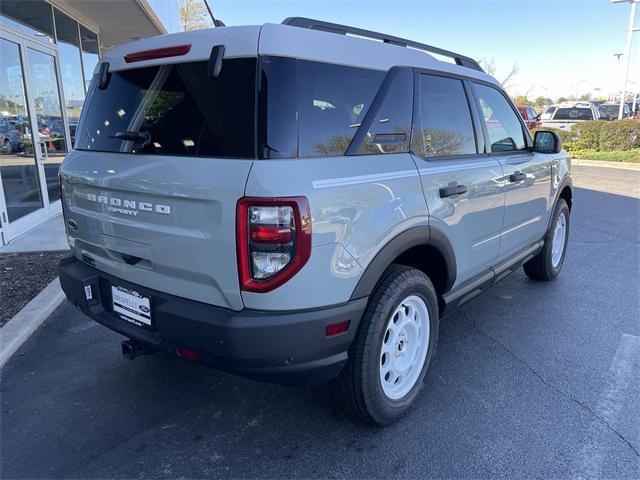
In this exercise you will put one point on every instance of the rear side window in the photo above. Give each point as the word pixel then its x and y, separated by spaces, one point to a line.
pixel 573 114
pixel 503 126
pixel 333 100
pixel 445 126
pixel 174 110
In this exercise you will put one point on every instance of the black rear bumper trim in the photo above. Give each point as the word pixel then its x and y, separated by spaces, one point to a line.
pixel 277 346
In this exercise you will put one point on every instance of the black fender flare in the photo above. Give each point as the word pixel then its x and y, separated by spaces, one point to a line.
pixel 413 237
pixel 567 181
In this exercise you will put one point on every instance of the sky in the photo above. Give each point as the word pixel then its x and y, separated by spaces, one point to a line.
pixel 558 45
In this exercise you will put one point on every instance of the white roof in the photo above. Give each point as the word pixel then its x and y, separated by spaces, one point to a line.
pixel 287 41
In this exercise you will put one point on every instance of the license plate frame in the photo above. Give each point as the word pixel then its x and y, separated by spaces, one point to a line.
pixel 131 306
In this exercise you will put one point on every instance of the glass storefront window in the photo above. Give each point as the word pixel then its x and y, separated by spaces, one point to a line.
pixel 33 17
pixel 46 101
pixel 70 67
pixel 17 162
pixel 90 53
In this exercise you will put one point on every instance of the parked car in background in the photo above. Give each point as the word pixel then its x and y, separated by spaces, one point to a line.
pixel 568 114
pixel 530 116
pixel 9 138
pixel 548 112
pixel 610 110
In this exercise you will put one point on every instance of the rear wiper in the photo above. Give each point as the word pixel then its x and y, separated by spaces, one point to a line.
pixel 138 137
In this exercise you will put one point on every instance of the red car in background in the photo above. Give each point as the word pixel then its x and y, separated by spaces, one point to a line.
pixel 530 116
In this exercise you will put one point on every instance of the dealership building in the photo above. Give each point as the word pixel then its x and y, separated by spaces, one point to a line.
pixel 48 51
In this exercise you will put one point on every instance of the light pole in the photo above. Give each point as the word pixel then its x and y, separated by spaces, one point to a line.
pixel 612 93
pixel 578 88
pixel 632 18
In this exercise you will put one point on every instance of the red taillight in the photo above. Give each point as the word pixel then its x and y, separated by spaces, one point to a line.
pixel 157 53
pixel 267 234
pixel 273 240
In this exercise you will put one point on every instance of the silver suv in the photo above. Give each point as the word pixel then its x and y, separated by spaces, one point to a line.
pixel 298 203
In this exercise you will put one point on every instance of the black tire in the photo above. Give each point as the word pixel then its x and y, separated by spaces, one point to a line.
pixel 358 389
pixel 541 266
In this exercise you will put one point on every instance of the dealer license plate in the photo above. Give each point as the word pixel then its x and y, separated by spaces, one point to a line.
pixel 131 306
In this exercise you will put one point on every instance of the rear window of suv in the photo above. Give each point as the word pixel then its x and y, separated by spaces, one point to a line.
pixel 573 114
pixel 174 110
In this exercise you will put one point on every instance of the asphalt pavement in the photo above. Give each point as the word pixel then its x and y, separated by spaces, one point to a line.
pixel 530 380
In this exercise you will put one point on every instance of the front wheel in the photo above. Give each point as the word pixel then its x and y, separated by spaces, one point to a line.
pixel 546 265
pixel 392 353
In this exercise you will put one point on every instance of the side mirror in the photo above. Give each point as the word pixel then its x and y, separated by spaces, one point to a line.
pixel 546 141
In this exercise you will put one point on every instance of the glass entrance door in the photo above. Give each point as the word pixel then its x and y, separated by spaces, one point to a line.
pixel 51 129
pixel 19 172
pixel 33 134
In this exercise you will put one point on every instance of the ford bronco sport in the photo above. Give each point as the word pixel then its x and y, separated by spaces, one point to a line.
pixel 298 203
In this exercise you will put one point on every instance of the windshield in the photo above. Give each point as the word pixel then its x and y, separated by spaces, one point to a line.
pixel 173 110
pixel 573 114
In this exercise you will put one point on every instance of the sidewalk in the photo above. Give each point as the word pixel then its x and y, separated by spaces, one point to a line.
pixel 45 237
pixel 603 163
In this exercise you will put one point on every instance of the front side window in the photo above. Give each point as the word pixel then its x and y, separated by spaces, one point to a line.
pixel 333 100
pixel 503 126
pixel 173 110
pixel 445 126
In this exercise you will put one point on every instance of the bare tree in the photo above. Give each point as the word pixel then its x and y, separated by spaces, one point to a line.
pixel 489 66
pixel 506 83
pixel 194 15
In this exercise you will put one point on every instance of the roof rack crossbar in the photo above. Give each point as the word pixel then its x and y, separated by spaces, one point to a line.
pixel 312 24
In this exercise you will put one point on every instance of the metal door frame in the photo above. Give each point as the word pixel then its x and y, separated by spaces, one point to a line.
pixel 11 230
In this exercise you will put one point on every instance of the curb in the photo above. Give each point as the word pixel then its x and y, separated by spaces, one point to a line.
pixel 27 320
pixel 581 162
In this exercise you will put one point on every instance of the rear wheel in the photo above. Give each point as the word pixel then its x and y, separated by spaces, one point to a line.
pixel 392 353
pixel 546 265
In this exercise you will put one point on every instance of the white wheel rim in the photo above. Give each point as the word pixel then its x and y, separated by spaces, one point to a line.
pixel 558 240
pixel 404 347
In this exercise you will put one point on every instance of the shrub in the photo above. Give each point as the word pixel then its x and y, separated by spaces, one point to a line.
pixel 619 135
pixel 600 135
pixel 586 135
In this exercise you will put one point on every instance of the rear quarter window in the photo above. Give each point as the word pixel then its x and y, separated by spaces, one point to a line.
pixel 177 110
pixel 333 100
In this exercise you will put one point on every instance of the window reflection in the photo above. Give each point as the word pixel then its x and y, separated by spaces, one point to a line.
pixel 70 67
pixel 33 17
pixel 17 163
pixel 445 118
pixel 333 100
pixel 90 54
pixel 503 126
pixel 46 102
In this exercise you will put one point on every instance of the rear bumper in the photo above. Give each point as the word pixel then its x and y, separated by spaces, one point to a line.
pixel 281 347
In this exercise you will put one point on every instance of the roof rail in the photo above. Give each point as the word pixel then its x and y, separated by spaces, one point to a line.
pixel 303 22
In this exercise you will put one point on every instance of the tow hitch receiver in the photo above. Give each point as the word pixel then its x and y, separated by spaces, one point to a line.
pixel 132 349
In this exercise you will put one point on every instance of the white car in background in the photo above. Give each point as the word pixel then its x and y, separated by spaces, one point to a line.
pixel 565 115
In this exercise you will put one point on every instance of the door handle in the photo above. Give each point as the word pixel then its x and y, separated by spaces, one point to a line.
pixel 517 177
pixel 451 191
